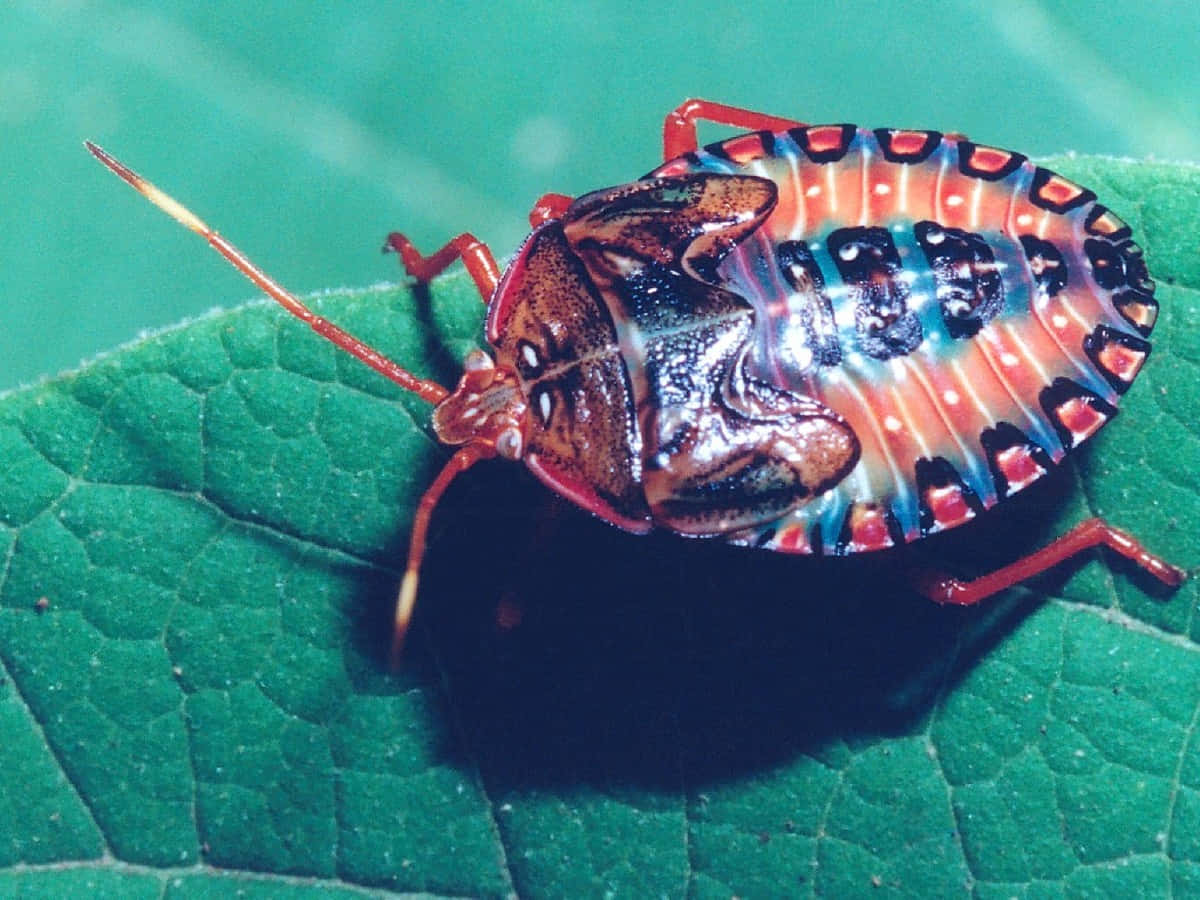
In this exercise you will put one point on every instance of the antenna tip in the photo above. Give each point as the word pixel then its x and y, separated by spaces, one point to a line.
pixel 167 204
pixel 101 155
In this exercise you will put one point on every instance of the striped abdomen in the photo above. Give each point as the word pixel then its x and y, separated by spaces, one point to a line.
pixel 971 316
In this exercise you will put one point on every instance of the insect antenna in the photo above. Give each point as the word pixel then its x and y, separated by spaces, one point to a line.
pixel 426 390
pixel 431 391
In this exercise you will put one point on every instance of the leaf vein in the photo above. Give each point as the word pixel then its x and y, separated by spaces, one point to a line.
pixel 58 757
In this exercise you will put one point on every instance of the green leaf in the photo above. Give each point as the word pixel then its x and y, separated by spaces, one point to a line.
pixel 200 535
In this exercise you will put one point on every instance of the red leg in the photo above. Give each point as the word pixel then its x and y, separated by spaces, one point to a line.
pixel 462 460
pixel 548 208
pixel 1085 535
pixel 679 129
pixel 476 256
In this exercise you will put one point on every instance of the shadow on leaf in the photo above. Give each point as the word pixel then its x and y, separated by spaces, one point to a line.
pixel 658 661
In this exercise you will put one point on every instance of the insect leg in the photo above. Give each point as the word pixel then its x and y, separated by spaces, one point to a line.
pixel 548 208
pixel 474 253
pixel 407 598
pixel 426 390
pixel 679 128
pixel 1087 534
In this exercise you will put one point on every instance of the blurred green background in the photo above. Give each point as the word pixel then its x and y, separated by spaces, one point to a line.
pixel 305 132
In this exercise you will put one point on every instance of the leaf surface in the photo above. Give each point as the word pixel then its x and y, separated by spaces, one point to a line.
pixel 200 535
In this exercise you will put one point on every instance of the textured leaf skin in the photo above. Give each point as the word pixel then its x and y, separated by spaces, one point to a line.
pixel 214 515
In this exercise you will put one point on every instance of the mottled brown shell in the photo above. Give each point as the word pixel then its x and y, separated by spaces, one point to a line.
pixel 633 359
pixel 554 331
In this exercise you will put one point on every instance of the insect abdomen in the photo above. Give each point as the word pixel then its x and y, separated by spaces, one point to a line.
pixel 971 315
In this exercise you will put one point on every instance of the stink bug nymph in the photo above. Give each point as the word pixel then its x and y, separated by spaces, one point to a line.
pixel 809 339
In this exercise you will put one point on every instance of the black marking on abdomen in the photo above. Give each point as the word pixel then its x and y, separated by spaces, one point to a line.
pixel 901 146
pixel 1137 308
pixel 717 150
pixel 1046 263
pixel 988 163
pixel 869 264
pixel 938 480
pixel 1137 276
pixel 860 529
pixel 1013 457
pixel 824 143
pixel 1103 222
pixel 1051 191
pixel 1108 265
pixel 1134 298
pixel 1075 412
pixel 766 142
pixel 969 287
pixel 1116 355
pixel 814 313
pixel 1117 265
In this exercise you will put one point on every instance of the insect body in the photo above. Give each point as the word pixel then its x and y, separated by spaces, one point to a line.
pixel 809 339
